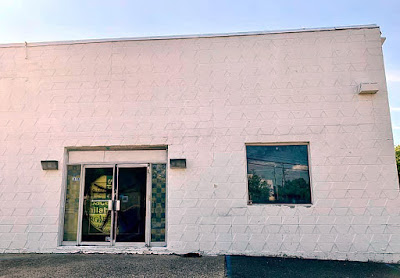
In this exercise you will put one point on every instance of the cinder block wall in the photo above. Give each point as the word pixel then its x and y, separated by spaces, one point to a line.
pixel 205 98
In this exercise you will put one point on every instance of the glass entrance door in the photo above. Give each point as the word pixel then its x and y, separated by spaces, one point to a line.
pixel 131 197
pixel 98 195
pixel 114 204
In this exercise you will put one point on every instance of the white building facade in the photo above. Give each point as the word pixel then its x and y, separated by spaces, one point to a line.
pixel 269 143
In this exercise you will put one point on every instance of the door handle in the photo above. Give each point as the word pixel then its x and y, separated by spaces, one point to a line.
pixel 114 205
pixel 117 205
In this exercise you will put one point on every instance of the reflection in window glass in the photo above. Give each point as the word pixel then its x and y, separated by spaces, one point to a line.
pixel 278 174
pixel 72 202
pixel 96 219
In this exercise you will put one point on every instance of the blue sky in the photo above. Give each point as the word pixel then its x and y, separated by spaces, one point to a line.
pixel 49 20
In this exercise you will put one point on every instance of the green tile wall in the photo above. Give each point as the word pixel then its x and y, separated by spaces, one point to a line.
pixel 158 198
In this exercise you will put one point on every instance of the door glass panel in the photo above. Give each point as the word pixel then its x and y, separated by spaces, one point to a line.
pixel 72 202
pixel 132 196
pixel 96 220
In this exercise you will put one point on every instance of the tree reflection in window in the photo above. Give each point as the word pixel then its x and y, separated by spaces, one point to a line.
pixel 278 174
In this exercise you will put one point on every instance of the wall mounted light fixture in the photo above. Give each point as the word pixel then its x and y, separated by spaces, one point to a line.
pixel 368 88
pixel 49 164
pixel 177 163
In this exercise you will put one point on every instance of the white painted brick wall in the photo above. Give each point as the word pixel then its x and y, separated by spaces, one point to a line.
pixel 205 98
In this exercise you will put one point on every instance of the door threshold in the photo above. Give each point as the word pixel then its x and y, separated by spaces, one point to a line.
pixel 136 245
pixel 111 249
pixel 117 245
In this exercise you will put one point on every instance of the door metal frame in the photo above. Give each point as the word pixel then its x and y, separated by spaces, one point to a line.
pixel 114 214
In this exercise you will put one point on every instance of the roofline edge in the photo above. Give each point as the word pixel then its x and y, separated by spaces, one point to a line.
pixel 191 36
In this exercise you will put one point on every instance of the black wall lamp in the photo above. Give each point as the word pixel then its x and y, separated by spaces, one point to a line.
pixel 177 163
pixel 49 164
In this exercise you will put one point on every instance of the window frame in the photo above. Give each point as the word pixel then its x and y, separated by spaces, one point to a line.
pixel 305 143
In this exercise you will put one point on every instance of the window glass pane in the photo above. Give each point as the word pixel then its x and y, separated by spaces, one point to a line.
pixel 132 195
pixel 278 174
pixel 72 202
pixel 96 218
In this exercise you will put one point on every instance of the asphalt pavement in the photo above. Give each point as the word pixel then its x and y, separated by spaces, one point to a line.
pixel 130 265
pixel 109 265
pixel 240 266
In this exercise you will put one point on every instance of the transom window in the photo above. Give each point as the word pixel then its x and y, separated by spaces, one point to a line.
pixel 278 174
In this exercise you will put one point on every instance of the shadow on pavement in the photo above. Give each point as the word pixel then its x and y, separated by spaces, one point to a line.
pixel 241 266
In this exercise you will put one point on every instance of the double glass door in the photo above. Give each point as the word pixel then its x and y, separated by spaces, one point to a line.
pixel 115 207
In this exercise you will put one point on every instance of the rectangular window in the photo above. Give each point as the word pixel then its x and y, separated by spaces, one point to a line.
pixel 278 174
